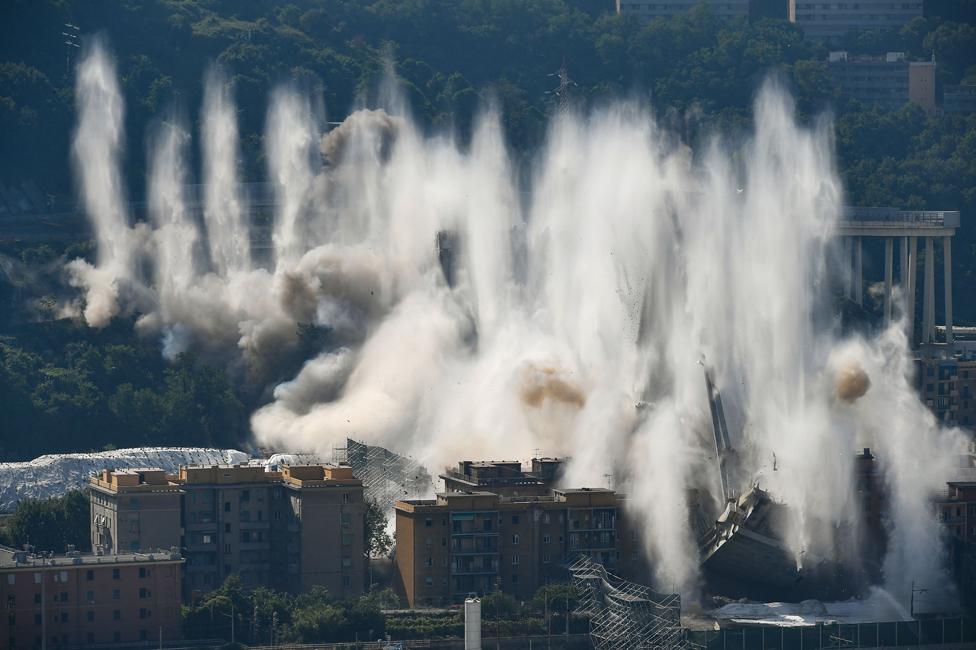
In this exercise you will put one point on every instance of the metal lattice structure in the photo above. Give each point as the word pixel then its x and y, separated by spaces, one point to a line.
pixel 625 615
pixel 387 476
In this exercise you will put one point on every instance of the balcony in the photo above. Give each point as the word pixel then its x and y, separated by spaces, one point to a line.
pixel 474 551
pixel 473 571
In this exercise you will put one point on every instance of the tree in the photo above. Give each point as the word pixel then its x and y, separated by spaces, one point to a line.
pixel 51 524
pixel 378 540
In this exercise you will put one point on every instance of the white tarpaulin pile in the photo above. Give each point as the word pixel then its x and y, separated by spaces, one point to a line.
pixel 55 474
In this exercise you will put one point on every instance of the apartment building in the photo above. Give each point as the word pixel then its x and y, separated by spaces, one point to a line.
pixel 957 510
pixel 504 477
pixel 83 600
pixel 135 509
pixel 832 20
pixel 947 382
pixel 959 99
pixel 888 82
pixel 657 9
pixel 515 537
pixel 289 530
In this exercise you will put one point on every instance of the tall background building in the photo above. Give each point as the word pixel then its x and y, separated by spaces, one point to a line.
pixel 888 82
pixel 832 20
pixel 657 9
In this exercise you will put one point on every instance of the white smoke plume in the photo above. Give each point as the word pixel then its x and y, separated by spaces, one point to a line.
pixel 571 315
pixel 95 153
pixel 227 229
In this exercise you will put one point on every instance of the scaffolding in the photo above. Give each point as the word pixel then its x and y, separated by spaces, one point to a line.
pixel 625 615
pixel 386 476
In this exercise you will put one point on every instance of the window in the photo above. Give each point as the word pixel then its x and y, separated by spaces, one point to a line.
pixel 90 596
pixel 545 557
pixel 346 561
pixel 443 541
pixel 245 495
pixel 429 581
pixel 347 539
pixel 143 612
pixel 346 581
pixel 64 617
pixel 545 539
pixel 115 574
pixel 515 519
pixel 428 522
pixel 37 619
pixel 207 538
pixel 143 592
pixel 346 519
pixel 226 548
pixel 11 578
pixel 37 578
pixel 63 576
pixel 515 539
pixel 514 578
pixel 226 506
pixel 37 599
pixel 116 594
pixel 428 561
pixel 226 528
pixel 11 601
pixel 89 575
pixel 64 596
pixel 260 514
pixel 515 558
pixel 345 497
pixel 90 616
pixel 143 572
pixel 545 518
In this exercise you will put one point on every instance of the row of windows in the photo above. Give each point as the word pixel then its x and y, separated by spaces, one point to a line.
pixel 62 576
pixel 65 617
pixel 89 597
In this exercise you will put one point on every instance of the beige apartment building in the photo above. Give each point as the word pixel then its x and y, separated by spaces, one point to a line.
pixel 89 600
pixel 464 542
pixel 289 530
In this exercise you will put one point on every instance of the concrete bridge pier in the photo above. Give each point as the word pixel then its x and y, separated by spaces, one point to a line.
pixel 947 285
pixel 888 277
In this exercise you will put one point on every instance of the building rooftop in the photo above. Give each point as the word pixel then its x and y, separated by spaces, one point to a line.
pixel 157 480
pixel 11 558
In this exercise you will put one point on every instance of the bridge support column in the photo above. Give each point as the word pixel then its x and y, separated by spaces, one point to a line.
pixel 858 273
pixel 910 298
pixel 888 277
pixel 947 285
pixel 928 310
pixel 903 266
pixel 848 268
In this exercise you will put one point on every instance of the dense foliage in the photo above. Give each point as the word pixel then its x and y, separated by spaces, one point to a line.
pixel 66 389
pixel 50 524
pixel 263 616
